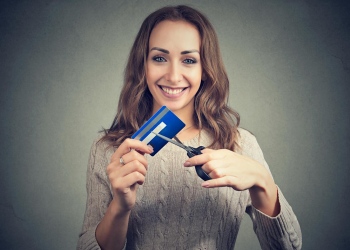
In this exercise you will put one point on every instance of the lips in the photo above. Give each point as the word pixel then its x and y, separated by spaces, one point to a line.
pixel 172 91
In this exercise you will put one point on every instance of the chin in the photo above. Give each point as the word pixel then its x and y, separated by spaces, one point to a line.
pixel 176 107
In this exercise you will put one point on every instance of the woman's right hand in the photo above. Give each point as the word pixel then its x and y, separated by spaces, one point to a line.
pixel 124 178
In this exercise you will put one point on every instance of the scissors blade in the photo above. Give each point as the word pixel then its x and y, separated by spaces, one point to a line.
pixel 170 140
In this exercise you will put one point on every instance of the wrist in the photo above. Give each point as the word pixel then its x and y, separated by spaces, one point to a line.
pixel 263 180
pixel 117 210
pixel 111 231
pixel 264 194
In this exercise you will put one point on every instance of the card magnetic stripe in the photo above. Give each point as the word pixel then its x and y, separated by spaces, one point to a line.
pixel 145 128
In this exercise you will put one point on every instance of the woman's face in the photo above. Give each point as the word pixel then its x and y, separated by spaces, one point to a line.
pixel 173 68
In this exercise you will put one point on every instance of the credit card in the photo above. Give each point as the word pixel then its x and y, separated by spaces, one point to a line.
pixel 163 122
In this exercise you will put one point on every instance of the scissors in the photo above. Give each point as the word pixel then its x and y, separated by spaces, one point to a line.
pixel 190 153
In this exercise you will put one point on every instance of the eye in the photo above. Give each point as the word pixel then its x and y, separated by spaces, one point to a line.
pixel 158 59
pixel 190 61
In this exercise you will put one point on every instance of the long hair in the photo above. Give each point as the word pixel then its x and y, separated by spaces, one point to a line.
pixel 212 112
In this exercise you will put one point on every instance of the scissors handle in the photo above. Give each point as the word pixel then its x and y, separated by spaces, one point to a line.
pixel 199 170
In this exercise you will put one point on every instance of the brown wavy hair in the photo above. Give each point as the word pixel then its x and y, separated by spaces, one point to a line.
pixel 212 112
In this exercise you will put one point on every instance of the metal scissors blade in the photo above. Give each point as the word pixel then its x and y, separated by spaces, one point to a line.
pixel 172 141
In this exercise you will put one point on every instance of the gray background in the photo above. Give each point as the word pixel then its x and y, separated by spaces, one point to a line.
pixel 61 72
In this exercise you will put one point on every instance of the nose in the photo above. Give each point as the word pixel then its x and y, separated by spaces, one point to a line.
pixel 174 74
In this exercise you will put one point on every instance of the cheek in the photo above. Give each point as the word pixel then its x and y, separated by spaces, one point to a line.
pixel 196 77
pixel 151 74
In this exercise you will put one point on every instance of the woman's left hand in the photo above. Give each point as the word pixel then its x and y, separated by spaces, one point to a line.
pixel 227 168
pixel 230 169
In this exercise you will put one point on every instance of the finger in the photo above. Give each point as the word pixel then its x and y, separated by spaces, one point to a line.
pixel 126 177
pixel 227 181
pixel 216 169
pixel 112 167
pixel 116 171
pixel 134 177
pixel 129 144
pixel 201 159
pixel 197 160
pixel 133 166
pixel 127 181
pixel 134 155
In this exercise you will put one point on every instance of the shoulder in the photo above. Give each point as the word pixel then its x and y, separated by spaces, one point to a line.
pixel 249 145
pixel 101 148
pixel 246 138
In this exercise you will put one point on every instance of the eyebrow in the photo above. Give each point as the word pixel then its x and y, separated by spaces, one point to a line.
pixel 161 50
pixel 167 51
pixel 189 51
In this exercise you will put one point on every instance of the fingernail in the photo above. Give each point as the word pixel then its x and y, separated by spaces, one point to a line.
pixel 150 148
pixel 187 164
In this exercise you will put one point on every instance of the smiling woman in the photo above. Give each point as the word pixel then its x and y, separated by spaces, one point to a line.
pixel 136 201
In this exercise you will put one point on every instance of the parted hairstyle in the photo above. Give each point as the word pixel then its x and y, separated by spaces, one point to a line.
pixel 212 112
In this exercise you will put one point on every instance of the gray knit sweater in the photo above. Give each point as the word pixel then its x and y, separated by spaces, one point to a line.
pixel 173 211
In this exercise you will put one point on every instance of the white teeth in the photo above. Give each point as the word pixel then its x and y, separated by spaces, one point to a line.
pixel 171 91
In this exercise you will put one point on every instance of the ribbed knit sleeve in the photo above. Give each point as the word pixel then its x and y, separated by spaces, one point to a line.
pixel 282 231
pixel 87 239
pixel 98 195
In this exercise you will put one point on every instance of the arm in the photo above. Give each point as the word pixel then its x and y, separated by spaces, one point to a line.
pixel 111 232
pixel 279 232
pixel 98 197
pixel 274 220
pixel 264 195
pixel 107 229
pixel 124 179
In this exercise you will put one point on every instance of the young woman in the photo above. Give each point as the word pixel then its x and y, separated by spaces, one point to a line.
pixel 136 201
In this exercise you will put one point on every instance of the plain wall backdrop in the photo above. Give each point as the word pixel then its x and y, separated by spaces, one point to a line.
pixel 61 72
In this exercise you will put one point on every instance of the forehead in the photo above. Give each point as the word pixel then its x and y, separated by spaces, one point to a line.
pixel 175 33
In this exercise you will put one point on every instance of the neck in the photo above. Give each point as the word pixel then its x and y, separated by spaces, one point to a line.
pixel 188 133
pixel 185 115
pixel 190 130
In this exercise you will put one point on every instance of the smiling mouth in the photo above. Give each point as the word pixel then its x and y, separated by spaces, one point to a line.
pixel 172 91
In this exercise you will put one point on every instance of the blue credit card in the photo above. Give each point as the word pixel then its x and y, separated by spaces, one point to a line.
pixel 163 122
